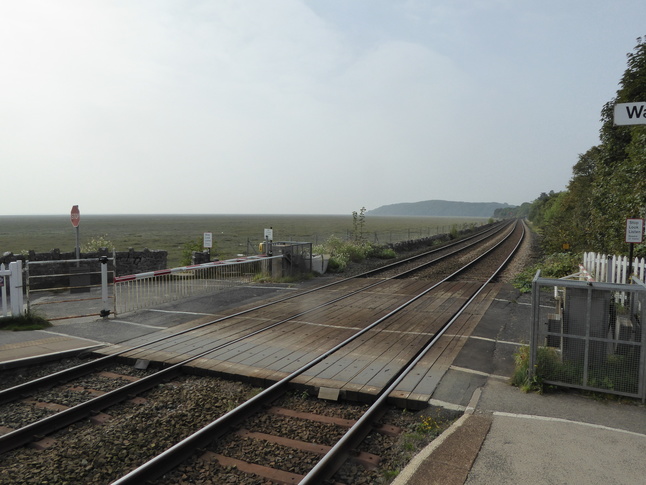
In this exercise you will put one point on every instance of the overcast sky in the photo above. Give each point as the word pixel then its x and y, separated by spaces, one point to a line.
pixel 300 106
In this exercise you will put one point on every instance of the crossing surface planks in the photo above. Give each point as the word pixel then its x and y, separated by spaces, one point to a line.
pixel 360 370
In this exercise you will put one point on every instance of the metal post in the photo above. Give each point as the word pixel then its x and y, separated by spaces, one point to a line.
pixel 4 290
pixel 642 358
pixel 533 330
pixel 588 324
pixel 104 286
pixel 78 246
pixel 27 280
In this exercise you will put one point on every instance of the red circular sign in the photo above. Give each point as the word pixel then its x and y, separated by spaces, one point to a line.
pixel 75 216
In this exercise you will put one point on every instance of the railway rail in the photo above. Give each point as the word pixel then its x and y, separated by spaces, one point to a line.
pixel 500 250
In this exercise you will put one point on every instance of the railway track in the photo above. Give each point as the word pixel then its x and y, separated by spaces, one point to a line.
pixel 498 247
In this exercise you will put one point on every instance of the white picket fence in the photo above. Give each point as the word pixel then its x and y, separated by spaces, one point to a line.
pixel 12 278
pixel 612 269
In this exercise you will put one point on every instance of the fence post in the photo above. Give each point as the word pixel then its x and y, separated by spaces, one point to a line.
pixel 16 288
pixel 4 290
pixel 104 286
pixel 533 330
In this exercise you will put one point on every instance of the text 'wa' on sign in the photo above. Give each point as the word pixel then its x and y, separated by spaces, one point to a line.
pixel 630 113
pixel 634 231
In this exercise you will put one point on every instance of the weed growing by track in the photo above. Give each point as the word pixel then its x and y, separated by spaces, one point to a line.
pixel 28 321
pixel 555 265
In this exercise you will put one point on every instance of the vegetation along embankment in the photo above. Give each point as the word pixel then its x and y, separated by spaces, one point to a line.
pixel 607 187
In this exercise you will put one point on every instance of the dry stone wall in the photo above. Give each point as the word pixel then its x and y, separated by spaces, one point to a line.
pixel 58 275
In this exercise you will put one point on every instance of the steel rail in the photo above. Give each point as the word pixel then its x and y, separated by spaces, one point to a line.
pixel 64 418
pixel 498 229
pixel 430 263
pixel 339 453
pixel 178 453
pixel 21 390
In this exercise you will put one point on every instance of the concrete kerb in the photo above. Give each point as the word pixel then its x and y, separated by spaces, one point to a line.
pixel 408 474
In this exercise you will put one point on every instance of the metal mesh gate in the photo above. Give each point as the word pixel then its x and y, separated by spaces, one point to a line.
pixel 589 335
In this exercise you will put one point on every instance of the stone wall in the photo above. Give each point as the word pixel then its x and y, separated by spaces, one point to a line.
pixel 132 262
pixel 58 275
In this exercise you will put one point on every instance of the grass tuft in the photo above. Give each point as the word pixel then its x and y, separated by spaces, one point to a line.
pixel 28 321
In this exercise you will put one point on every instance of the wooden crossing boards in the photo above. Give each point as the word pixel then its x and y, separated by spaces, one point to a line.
pixel 361 369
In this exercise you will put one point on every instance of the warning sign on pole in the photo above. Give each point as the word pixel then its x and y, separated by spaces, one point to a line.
pixel 75 216
pixel 208 240
pixel 634 231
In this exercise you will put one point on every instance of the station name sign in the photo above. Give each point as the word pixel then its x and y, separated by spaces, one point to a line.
pixel 630 113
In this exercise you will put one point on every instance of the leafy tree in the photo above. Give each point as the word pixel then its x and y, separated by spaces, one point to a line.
pixel 608 183
pixel 618 185
pixel 511 212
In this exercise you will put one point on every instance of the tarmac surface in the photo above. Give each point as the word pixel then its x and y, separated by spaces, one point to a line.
pixel 505 436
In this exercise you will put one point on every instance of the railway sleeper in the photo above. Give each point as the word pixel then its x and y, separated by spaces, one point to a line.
pixel 277 476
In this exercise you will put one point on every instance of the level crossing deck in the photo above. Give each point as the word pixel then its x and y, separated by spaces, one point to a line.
pixel 361 369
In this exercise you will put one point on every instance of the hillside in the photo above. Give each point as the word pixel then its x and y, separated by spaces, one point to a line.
pixel 438 208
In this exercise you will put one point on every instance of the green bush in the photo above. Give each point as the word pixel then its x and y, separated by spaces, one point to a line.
pixel 555 265
pixel 188 249
pixel 383 253
pixel 520 377
pixel 96 243
pixel 548 366
pixel 356 251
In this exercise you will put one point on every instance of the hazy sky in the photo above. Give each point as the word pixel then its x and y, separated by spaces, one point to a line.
pixel 300 106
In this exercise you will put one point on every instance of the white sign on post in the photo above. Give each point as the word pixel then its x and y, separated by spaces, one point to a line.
pixel 208 240
pixel 269 234
pixel 630 113
pixel 634 231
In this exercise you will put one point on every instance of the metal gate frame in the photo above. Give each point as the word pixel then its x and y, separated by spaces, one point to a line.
pixel 592 339
pixel 38 283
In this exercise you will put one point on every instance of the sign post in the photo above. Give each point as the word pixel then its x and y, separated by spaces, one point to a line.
pixel 208 242
pixel 269 238
pixel 75 217
pixel 634 235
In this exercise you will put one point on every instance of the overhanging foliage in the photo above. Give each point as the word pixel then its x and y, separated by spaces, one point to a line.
pixel 608 183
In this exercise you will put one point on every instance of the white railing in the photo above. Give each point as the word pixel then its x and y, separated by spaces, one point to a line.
pixel 12 278
pixel 145 290
pixel 612 269
pixel 49 284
